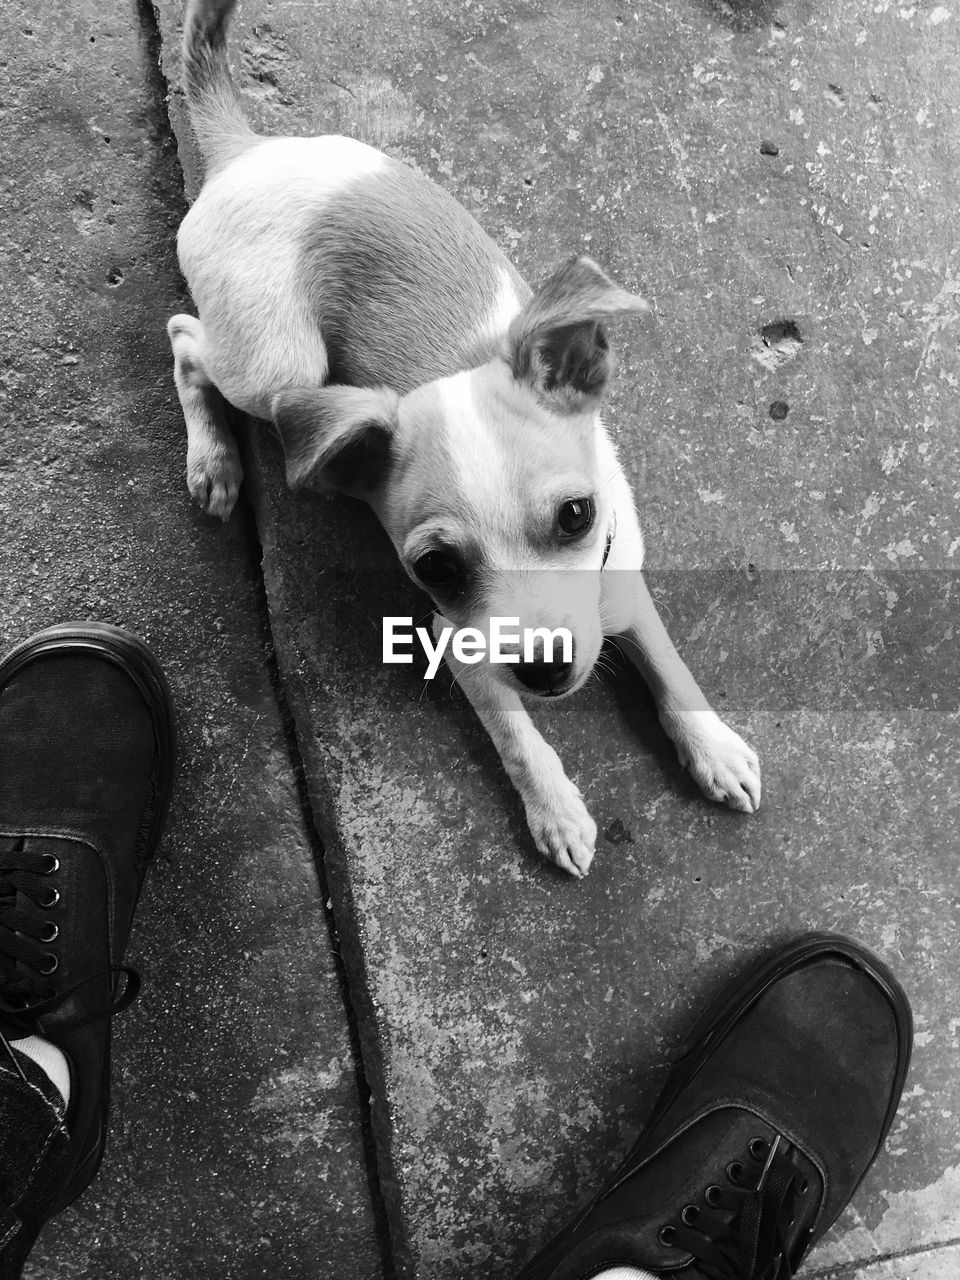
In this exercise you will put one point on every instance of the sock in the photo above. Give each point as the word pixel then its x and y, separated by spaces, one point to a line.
pixel 625 1272
pixel 50 1059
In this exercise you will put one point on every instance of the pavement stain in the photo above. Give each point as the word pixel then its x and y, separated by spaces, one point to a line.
pixel 292 1099
pixel 902 1219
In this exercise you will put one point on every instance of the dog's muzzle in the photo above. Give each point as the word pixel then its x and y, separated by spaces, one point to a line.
pixel 549 679
pixel 547 675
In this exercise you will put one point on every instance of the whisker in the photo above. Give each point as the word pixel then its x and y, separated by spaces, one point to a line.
pixel 662 608
pixel 457 677
pixel 624 638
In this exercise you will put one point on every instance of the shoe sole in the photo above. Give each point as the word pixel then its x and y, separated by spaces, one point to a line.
pixel 722 1014
pixel 131 655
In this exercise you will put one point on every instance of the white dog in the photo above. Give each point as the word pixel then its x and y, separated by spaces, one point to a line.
pixel 404 361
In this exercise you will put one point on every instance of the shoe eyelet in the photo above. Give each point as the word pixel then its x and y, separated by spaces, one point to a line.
pixel 713 1195
pixel 51 900
pixel 51 932
pixel 803 1188
pixel 667 1235
pixel 52 864
pixel 735 1172
pixel 52 965
pixel 689 1215
pixel 758 1148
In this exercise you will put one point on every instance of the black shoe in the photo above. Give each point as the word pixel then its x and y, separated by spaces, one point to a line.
pixel 778 1103
pixel 86 761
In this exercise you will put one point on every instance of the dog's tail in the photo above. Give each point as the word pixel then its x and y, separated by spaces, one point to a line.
pixel 215 113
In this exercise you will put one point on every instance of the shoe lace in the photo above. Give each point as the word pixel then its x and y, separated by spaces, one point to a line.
pixel 29 900
pixel 740 1230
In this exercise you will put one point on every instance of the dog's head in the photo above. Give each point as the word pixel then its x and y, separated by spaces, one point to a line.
pixel 489 482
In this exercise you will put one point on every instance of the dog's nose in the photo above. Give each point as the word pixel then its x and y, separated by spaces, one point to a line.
pixel 544 677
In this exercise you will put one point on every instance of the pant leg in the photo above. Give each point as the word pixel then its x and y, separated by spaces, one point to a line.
pixel 33 1155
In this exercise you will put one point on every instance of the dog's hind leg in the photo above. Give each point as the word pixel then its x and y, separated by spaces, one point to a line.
pixel 214 471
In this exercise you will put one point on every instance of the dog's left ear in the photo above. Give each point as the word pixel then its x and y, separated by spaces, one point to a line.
pixel 557 346
pixel 336 437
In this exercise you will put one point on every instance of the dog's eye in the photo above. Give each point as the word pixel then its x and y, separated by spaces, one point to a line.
pixel 575 516
pixel 440 571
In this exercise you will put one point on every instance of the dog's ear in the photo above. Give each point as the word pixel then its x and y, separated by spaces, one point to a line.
pixel 336 437
pixel 557 346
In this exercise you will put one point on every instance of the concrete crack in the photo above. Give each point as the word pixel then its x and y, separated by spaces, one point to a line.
pixel 166 140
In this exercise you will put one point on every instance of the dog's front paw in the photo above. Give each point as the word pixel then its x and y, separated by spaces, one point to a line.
pixel 562 828
pixel 214 474
pixel 725 768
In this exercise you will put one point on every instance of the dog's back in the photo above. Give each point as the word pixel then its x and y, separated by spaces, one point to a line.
pixel 322 258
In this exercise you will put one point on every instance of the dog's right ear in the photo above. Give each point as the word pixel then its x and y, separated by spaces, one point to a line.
pixel 556 344
pixel 336 437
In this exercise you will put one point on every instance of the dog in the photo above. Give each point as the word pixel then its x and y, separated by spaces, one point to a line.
pixel 349 300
